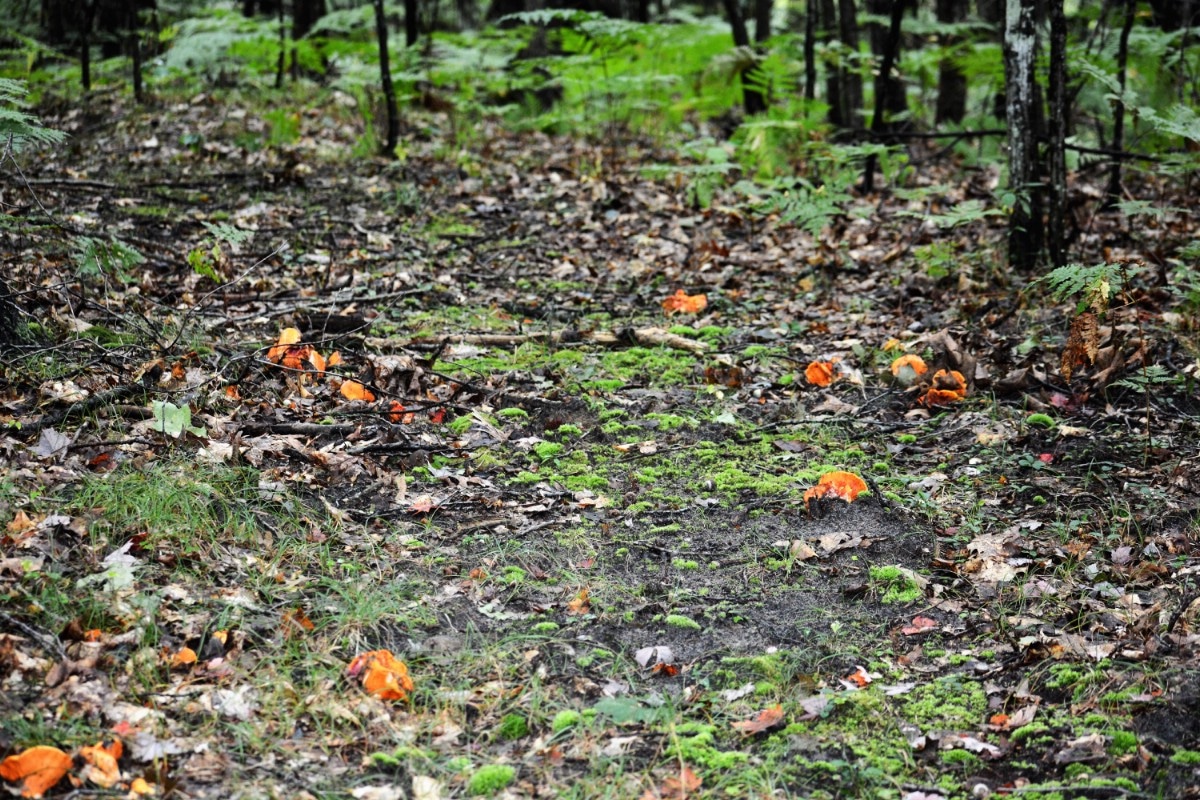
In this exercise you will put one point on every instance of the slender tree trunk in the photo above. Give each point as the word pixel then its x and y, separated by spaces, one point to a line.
pixel 85 43
pixel 1020 53
pixel 952 83
pixel 1113 193
pixel 279 68
pixel 884 86
pixel 810 50
pixel 135 51
pixel 752 99
pixel 895 97
pixel 852 83
pixel 762 20
pixel 833 71
pixel 385 75
pixel 992 12
pixel 1056 151
pixel 412 22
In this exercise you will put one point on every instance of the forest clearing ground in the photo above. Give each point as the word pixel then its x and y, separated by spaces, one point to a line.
pixel 595 559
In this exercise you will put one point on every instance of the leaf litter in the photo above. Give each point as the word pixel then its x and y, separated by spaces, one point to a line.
pixel 530 480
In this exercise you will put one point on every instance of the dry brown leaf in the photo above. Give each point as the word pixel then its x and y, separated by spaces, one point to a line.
pixel 581 603
pixel 36 769
pixel 765 720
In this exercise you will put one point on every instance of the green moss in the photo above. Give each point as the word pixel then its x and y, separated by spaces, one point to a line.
pixel 1026 733
pixel 953 702
pixel 512 413
pixel 547 450
pixel 680 621
pixel 1122 742
pixel 962 758
pixel 1186 757
pixel 565 719
pixel 545 627
pixel 569 430
pixel 490 779
pixel 695 743
pixel 513 575
pixel 681 563
pixel 460 425
pixel 512 726
pixel 895 585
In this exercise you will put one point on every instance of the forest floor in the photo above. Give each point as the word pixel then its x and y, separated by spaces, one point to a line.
pixel 575 514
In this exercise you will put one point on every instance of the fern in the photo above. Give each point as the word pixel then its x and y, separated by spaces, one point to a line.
pixel 1096 285
pixel 18 128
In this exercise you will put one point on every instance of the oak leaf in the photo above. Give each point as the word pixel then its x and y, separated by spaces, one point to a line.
pixel 36 769
pixel 382 674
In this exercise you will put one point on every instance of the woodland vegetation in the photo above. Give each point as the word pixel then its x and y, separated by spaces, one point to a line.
pixel 608 398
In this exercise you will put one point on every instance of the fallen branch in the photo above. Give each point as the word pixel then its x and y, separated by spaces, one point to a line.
pixel 647 337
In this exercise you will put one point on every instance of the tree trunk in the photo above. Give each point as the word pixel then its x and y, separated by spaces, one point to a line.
pixel 752 99
pixel 1020 54
pixel 852 84
pixel 884 86
pixel 1113 193
pixel 810 50
pixel 85 43
pixel 952 83
pixel 135 52
pixel 992 12
pixel 412 22
pixel 305 14
pixel 1056 151
pixel 762 20
pixel 385 75
pixel 892 88
pixel 10 318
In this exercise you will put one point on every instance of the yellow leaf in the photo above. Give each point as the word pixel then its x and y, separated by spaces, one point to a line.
pixel 353 390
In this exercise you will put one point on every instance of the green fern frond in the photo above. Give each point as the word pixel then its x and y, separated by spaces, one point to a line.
pixel 1096 285
pixel 16 127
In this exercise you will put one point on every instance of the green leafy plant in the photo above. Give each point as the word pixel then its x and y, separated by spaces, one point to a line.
pixel 18 128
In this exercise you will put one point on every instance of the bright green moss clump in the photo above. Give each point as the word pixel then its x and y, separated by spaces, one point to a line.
pixel 490 779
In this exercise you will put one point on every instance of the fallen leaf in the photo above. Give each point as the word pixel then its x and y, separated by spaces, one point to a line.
pixel 675 787
pixel 383 675
pixel 919 625
pixel 295 623
pixel 765 720
pixel 36 769
pixel 353 390
pixel 580 604
pixel 685 303
pixel 859 678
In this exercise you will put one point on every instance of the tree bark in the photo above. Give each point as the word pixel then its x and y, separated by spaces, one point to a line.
pixel 894 95
pixel 85 43
pixel 385 75
pixel 884 86
pixel 412 22
pixel 952 83
pixel 135 51
pixel 810 50
pixel 1113 193
pixel 305 14
pixel 762 20
pixel 852 83
pixel 1020 53
pixel 1056 151
pixel 752 99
